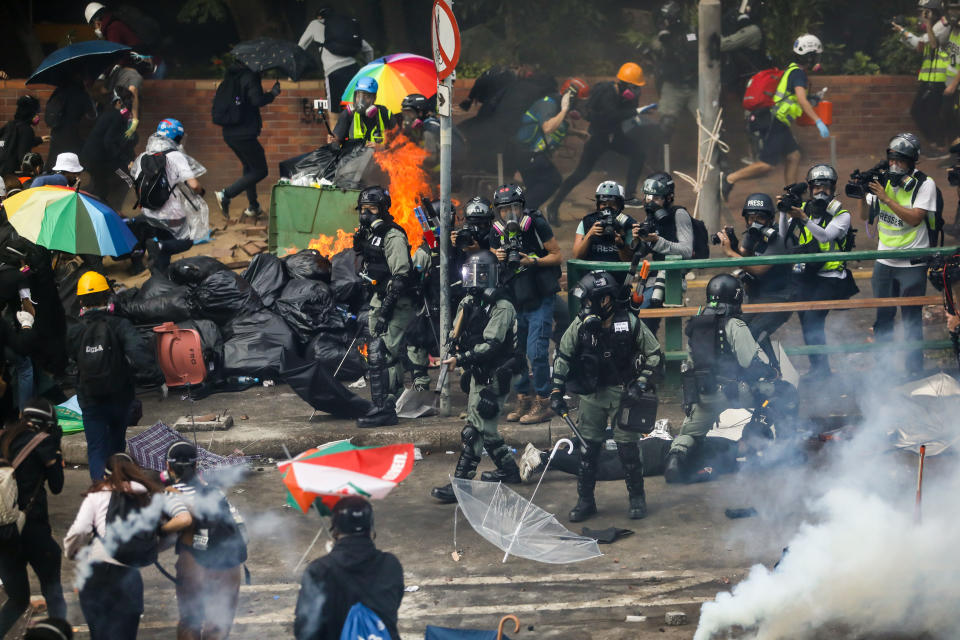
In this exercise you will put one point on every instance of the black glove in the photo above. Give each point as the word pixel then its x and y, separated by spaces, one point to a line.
pixel 466 104
pixel 380 327
pixel 275 89
pixel 637 389
pixel 358 237
pixel 557 403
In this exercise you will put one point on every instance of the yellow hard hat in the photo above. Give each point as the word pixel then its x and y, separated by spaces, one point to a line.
pixel 91 282
pixel 631 72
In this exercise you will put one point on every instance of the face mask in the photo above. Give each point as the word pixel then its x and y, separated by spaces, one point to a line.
pixel 98 32
pixel 416 123
pixel 36 120
pixel 367 218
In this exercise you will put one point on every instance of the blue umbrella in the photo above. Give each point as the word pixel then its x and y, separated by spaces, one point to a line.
pixel 53 67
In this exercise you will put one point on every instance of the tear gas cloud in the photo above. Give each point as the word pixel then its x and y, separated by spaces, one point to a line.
pixel 861 562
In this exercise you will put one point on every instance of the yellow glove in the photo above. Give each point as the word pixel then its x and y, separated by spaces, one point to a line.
pixel 131 129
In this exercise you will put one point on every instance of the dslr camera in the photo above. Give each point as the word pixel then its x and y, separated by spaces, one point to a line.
pixel 647 227
pixel 731 233
pixel 792 197
pixel 859 185
pixel 466 236
pixel 615 224
pixel 513 248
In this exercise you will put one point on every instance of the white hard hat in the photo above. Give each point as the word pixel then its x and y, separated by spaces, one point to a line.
pixel 807 43
pixel 92 9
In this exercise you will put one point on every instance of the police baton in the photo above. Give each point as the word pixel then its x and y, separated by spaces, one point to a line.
pixel 576 432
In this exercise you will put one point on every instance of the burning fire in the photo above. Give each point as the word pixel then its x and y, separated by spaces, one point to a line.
pixel 402 160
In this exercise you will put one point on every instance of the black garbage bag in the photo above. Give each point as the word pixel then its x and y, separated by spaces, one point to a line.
pixel 223 296
pixel 211 340
pixel 254 344
pixel 172 306
pixel 329 348
pixel 319 163
pixel 347 286
pixel 194 270
pixel 157 285
pixel 309 264
pixel 267 275
pixel 313 382
pixel 307 306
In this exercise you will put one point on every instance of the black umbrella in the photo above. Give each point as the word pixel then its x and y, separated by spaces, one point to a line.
pixel 316 385
pixel 262 54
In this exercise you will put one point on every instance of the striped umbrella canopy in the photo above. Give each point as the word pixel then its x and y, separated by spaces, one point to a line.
pixel 398 75
pixel 64 219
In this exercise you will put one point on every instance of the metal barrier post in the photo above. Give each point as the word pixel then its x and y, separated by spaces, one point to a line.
pixel 673 327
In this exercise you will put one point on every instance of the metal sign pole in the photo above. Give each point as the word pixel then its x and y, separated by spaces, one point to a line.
pixel 446 157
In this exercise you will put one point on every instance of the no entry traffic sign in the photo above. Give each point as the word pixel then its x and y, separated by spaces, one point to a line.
pixel 446 39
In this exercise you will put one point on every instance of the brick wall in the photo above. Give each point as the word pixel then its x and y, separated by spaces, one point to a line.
pixel 867 111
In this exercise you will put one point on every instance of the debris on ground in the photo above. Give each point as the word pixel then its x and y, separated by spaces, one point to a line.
pixel 675 618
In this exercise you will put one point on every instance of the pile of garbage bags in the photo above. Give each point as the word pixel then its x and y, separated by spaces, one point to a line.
pixel 248 324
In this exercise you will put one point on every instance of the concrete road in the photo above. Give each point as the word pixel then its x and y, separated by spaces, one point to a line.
pixel 683 553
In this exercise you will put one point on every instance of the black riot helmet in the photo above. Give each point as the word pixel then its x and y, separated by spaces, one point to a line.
pixel 904 146
pixel 509 199
pixel 659 184
pixel 375 196
pixel 352 516
pixel 597 292
pixel 670 15
pixel 725 294
pixel 481 274
pixel 478 211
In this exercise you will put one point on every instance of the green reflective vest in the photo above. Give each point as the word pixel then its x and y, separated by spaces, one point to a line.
pixel 786 108
pixel 361 132
pixel 893 231
pixel 839 244
pixel 935 64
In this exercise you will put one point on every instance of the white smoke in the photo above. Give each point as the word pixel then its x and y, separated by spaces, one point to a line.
pixel 861 562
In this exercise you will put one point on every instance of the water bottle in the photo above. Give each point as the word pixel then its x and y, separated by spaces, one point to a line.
pixel 239 380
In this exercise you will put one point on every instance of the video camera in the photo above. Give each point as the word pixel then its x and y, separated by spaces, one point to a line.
pixel 859 185
pixel 943 271
pixel 792 197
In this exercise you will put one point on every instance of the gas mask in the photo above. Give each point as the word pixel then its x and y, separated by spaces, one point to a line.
pixel 369 219
pixel 363 102
pixel 822 204
pixel 629 92
pixel 36 120
pixel 656 210
pixel 412 123
pixel 900 175
pixel 758 233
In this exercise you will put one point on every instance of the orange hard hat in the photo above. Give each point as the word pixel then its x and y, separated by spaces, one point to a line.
pixel 579 85
pixel 632 73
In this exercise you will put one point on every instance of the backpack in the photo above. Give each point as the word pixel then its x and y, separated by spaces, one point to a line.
pixel 219 536
pixel 8 163
pixel 152 186
pixel 228 102
pixel 101 361
pixel 143 26
pixel 935 225
pixel 363 624
pixel 342 35
pixel 12 517
pixel 701 239
pixel 143 547
pixel 760 89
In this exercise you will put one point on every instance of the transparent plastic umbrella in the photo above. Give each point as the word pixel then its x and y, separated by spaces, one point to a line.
pixel 517 526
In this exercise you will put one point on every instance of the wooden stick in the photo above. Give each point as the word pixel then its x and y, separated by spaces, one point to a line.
pixel 923 455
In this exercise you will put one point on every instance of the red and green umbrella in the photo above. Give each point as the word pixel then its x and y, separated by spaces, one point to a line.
pixel 64 219
pixel 339 469
pixel 398 75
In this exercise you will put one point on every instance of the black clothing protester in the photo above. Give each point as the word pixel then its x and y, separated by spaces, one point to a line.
pixel 105 151
pixel 354 571
pixel 19 138
pixel 67 107
pixel 242 137
pixel 112 601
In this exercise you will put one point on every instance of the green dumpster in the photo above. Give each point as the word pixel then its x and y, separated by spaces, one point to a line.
pixel 300 214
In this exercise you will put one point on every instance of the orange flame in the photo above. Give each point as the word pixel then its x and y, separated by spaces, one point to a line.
pixel 402 160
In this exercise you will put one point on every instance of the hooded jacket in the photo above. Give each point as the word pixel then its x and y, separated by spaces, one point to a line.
pixel 354 571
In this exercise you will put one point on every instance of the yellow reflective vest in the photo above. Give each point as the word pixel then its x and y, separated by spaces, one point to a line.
pixel 360 131
pixel 840 244
pixel 892 229
pixel 786 108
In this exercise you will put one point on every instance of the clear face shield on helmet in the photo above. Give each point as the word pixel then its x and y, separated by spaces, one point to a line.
pixel 510 214
pixel 363 99
pixel 480 275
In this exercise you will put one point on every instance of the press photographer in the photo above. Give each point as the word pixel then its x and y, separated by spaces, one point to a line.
pixel 903 202
pixel 820 224
pixel 605 234
pixel 763 282
pixel 524 241
pixel 667 230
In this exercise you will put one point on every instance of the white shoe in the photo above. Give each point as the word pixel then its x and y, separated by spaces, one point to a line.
pixel 530 461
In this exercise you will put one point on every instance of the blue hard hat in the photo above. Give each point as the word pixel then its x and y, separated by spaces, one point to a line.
pixel 367 84
pixel 170 128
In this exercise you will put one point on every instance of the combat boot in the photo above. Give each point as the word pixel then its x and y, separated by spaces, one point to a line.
pixel 507 470
pixel 383 413
pixel 629 453
pixel 466 464
pixel 521 408
pixel 378 417
pixel 540 411
pixel 674 471
pixel 586 483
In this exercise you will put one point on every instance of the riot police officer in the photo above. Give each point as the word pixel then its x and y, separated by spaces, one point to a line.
pixel 609 358
pixel 524 242
pixel 764 283
pixel 484 345
pixel 727 368
pixel 387 267
pixel 605 234
pixel 821 224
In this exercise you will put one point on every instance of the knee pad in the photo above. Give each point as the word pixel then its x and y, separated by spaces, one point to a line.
pixel 487 407
pixel 469 436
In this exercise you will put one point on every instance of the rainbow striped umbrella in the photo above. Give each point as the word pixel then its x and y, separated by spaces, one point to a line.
pixel 65 219
pixel 399 75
